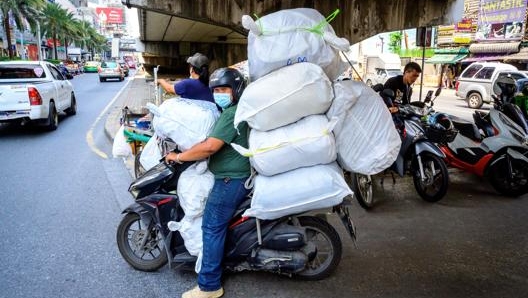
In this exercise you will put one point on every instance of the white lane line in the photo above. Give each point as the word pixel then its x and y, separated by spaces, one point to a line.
pixel 89 134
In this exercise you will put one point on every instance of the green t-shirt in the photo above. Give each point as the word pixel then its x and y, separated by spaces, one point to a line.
pixel 227 162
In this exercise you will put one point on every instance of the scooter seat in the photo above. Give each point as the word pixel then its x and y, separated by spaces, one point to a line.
pixel 467 129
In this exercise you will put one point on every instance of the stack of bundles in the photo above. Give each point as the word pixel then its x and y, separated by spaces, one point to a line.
pixel 188 122
pixel 292 36
pixel 366 140
pixel 291 144
pixel 194 186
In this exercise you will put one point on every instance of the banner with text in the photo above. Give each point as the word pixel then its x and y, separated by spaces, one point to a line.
pixel 501 19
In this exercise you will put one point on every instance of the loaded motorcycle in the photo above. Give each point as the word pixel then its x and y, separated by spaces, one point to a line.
pixel 495 146
pixel 305 246
pixel 418 156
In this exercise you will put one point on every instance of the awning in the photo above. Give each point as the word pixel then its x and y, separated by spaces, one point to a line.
pixel 446 58
pixel 476 58
pixel 505 48
pixel 521 56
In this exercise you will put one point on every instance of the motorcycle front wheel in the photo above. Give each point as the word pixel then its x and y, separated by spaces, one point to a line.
pixel 434 185
pixel 131 233
pixel 362 187
pixel 513 185
pixel 329 248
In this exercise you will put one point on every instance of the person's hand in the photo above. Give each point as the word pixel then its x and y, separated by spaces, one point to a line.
pixel 393 110
pixel 160 81
pixel 172 157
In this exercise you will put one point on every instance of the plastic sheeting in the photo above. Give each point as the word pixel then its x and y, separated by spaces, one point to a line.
pixel 298 191
pixel 285 96
pixel 307 142
pixel 186 121
pixel 366 138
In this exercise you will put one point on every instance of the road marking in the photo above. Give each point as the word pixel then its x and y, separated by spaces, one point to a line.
pixel 89 134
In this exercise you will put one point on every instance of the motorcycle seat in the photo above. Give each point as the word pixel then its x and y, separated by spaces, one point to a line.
pixel 467 129
pixel 482 121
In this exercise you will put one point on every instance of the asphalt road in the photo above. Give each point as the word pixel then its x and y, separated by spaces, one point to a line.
pixel 61 204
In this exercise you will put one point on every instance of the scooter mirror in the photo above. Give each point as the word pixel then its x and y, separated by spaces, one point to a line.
pixel 438 91
pixel 428 96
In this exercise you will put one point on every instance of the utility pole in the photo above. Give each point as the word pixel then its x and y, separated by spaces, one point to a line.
pixel 39 41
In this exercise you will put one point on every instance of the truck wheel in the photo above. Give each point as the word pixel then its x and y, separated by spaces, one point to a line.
pixel 53 118
pixel 474 100
pixel 72 110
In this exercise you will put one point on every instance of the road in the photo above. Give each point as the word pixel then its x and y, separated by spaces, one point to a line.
pixel 61 204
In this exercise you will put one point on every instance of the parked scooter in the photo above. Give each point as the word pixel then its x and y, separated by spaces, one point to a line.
pixel 418 155
pixel 304 246
pixel 495 146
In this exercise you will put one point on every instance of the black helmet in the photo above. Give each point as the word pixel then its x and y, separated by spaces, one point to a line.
pixel 505 86
pixel 228 77
pixel 440 121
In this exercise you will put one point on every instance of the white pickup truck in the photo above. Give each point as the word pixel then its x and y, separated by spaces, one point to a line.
pixel 36 92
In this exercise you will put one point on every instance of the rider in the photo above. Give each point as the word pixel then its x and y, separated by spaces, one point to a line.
pixel 231 170
pixel 196 86
pixel 401 84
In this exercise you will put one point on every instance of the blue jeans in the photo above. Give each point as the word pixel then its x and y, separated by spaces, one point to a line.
pixel 222 203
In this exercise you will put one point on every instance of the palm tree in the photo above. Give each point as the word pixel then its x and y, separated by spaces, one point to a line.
pixel 55 20
pixel 21 11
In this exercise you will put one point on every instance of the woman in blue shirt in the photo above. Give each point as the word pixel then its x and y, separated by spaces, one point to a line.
pixel 197 85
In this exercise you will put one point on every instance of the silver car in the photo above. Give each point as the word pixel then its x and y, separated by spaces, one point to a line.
pixel 475 82
pixel 110 70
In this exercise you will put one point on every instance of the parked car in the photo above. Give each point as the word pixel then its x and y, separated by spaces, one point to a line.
pixel 475 83
pixel 124 67
pixel 91 66
pixel 34 92
pixel 110 70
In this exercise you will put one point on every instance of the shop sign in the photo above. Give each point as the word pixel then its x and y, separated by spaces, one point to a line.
pixel 501 19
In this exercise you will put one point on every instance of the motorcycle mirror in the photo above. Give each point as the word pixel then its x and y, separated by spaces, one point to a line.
pixel 387 93
pixel 438 91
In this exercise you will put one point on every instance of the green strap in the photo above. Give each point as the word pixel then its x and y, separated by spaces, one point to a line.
pixel 317 29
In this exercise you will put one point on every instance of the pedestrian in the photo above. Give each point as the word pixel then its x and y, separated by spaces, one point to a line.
pixel 450 78
pixel 196 86
pixel 401 84
pixel 231 170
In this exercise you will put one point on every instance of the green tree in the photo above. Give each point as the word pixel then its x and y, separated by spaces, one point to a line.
pixel 395 39
pixel 21 11
pixel 56 20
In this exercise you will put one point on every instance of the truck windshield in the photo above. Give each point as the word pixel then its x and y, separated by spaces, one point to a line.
pixel 21 71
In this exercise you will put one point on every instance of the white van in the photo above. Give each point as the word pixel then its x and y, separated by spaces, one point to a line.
pixel 379 68
pixel 475 83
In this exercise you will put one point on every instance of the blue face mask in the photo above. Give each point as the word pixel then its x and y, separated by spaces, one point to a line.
pixel 222 99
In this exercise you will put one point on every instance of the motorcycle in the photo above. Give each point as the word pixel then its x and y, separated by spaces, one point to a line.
pixel 495 146
pixel 418 155
pixel 297 245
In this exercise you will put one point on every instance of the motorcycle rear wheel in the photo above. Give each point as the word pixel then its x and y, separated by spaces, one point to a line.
pixel 502 183
pixel 434 187
pixel 329 248
pixel 130 232
pixel 362 187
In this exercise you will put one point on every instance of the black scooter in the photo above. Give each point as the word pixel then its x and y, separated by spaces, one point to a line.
pixel 304 246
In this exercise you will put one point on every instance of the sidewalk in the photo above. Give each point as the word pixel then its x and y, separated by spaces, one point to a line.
pixel 135 96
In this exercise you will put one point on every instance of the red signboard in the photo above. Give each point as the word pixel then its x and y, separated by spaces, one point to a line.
pixel 49 43
pixel 109 15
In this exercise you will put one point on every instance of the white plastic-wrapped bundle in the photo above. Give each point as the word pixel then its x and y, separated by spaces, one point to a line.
pixel 298 191
pixel 190 230
pixel 285 96
pixel 150 154
pixel 366 139
pixel 307 142
pixel 194 186
pixel 186 121
pixel 291 36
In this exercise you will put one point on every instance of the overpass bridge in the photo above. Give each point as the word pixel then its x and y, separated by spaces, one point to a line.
pixel 173 30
